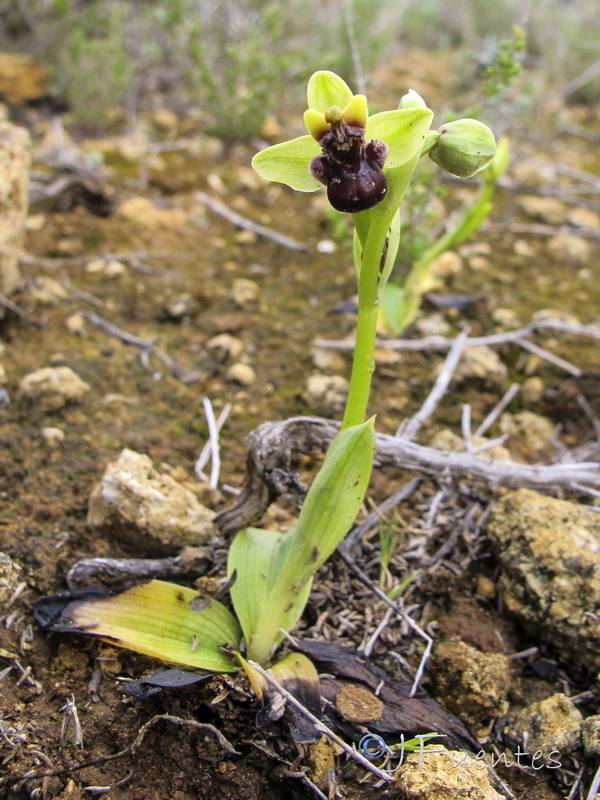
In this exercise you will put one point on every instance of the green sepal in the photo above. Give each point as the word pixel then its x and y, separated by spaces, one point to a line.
pixel 404 132
pixel 256 557
pixel 158 619
pixel 288 163
pixel 326 89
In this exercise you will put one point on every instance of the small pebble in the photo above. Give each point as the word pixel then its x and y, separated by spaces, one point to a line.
pixel 570 249
pixel 245 293
pixel 241 373
pixel 224 347
pixel 53 437
pixel 532 390
pixel 326 246
pixel 75 324
pixel 326 394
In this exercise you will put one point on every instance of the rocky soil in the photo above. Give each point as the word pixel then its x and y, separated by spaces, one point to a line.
pixel 137 300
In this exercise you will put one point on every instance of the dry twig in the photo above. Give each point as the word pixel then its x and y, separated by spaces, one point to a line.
pixel 147 348
pixel 442 343
pixel 410 427
pixel 272 445
pixel 247 224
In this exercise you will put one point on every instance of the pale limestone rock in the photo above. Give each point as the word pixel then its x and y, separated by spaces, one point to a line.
pixel 532 391
pixel 108 268
pixel 475 249
pixel 549 552
pixel 245 293
pixel 241 373
pixel 584 218
pixel 553 724
pixel 432 325
pixel 590 735
pixel 445 775
pixel 523 248
pixel 548 210
pixel 446 265
pixel 51 388
pixel 15 159
pixel 480 263
pixel 326 394
pixel 148 510
pixel 225 347
pixel 331 361
pixel 506 318
pixel 75 324
pixel 534 173
pixel 53 437
pixel 554 315
pixel 482 364
pixel 569 249
pixel 165 120
pixel 326 246
pixel 48 292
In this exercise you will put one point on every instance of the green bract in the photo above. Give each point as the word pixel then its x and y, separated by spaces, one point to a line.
pixel 330 100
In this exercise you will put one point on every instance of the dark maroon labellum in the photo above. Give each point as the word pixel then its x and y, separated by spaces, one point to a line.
pixel 351 169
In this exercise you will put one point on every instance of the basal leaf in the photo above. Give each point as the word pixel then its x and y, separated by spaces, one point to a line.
pixel 160 619
pixel 256 556
pixel 329 510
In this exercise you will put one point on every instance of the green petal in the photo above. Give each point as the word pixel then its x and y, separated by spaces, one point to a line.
pixel 288 163
pixel 403 131
pixel 356 111
pixel 316 124
pixel 326 89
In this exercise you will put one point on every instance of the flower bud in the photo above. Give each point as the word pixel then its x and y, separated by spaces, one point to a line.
pixel 464 147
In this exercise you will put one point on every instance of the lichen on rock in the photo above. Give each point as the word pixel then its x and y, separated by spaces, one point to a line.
pixel 549 551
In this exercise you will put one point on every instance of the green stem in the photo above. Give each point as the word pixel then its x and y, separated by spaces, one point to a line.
pixel 363 364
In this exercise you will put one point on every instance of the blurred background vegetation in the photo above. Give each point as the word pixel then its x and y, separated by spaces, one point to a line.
pixel 240 60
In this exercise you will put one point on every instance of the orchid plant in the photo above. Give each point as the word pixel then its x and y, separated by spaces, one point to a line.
pixel 366 163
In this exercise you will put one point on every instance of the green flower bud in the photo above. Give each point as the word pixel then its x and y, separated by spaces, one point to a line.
pixel 464 147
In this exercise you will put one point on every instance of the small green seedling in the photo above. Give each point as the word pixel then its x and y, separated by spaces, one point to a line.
pixel 366 163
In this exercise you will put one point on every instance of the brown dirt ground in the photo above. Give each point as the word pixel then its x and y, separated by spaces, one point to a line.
pixel 45 491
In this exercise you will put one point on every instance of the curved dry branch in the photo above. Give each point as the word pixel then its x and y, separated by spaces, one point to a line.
pixel 272 446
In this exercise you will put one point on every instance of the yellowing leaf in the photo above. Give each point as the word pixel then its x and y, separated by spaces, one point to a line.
pixel 162 620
